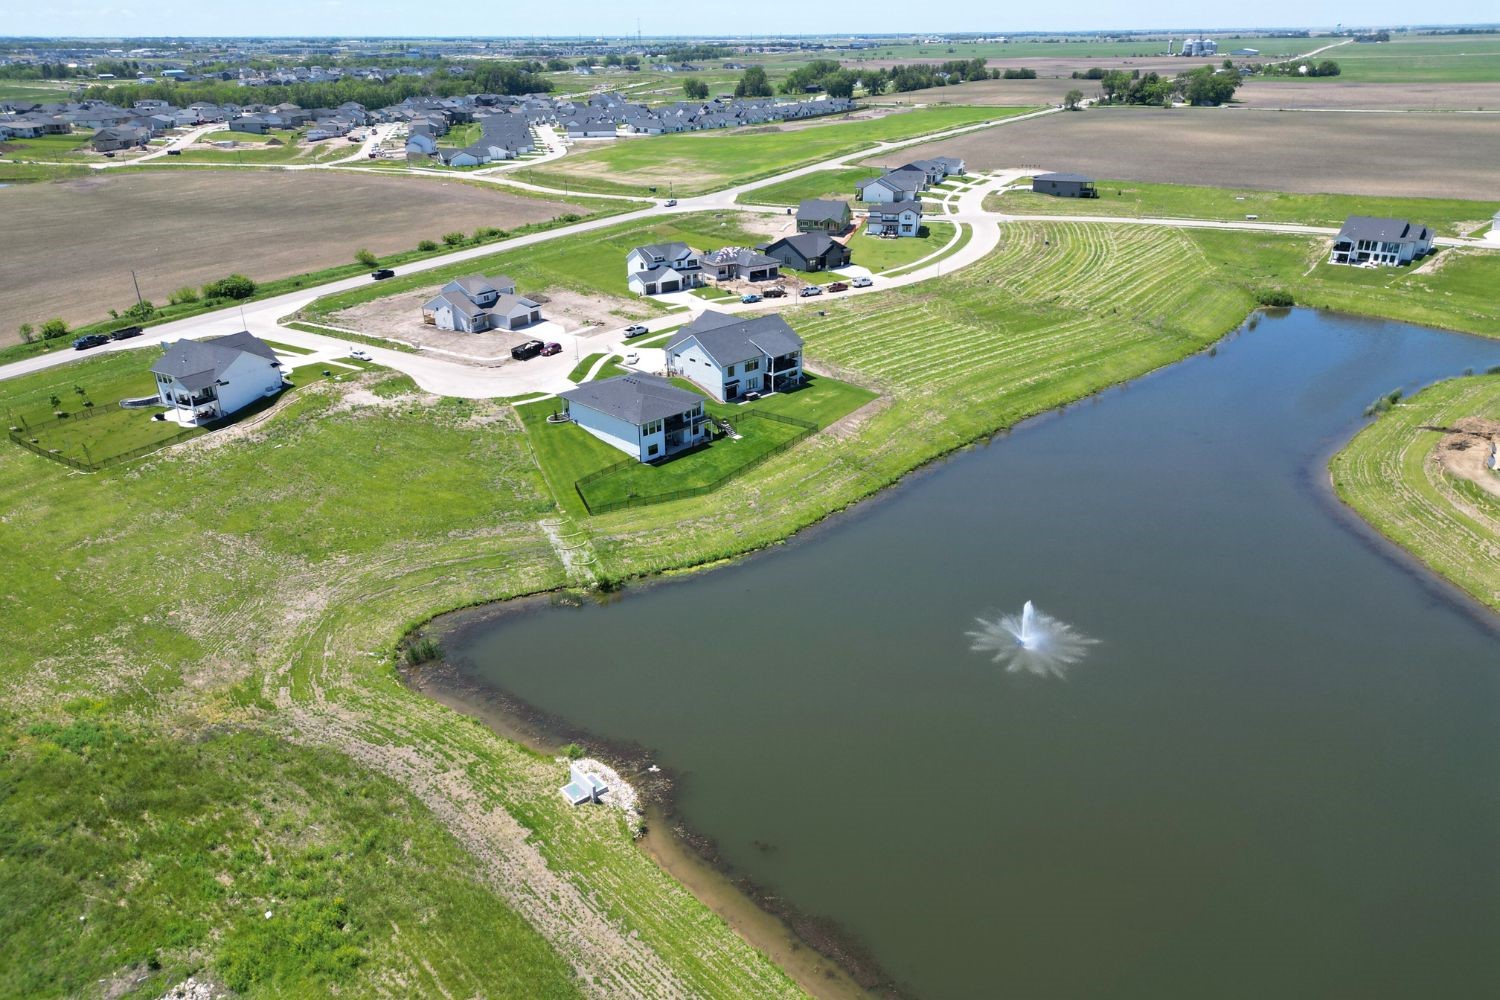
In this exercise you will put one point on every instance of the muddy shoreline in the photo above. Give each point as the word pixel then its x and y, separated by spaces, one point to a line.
pixel 823 957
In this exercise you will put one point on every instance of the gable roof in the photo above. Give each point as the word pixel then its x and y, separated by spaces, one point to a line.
pixel 633 398
pixel 809 245
pixel 666 251
pixel 198 364
pixel 1369 227
pixel 818 209
pixel 731 339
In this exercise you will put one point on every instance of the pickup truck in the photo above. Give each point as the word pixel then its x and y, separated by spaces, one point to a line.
pixel 527 351
pixel 90 340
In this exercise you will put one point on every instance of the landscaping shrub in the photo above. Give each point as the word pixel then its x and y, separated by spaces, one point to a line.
pixel 235 286
pixel 1278 298
pixel 53 329
pixel 454 239
pixel 365 258
pixel 427 246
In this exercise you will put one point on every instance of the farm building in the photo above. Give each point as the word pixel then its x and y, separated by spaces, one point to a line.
pixel 728 356
pixel 1389 242
pixel 646 417
pixel 809 252
pixel 203 380
pixel 823 215
pixel 1064 185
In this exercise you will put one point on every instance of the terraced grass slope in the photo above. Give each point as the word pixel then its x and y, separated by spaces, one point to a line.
pixel 1388 474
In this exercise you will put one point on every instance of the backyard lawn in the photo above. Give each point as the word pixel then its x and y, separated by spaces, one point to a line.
pixel 567 453
pixel 69 146
pixel 831 184
pixel 694 162
pixel 1447 216
pixel 252 150
pixel 881 255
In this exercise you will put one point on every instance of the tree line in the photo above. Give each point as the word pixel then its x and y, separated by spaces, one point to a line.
pixel 1204 85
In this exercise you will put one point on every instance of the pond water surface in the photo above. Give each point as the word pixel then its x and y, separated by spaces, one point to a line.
pixel 1275 775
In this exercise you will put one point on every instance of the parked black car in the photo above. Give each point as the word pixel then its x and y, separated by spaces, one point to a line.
pixel 174 152
pixel 527 351
pixel 125 333
pixel 774 293
pixel 91 340
pixel 382 274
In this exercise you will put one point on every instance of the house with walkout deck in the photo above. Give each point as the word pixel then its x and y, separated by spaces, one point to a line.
pixel 1374 242
pixel 902 184
pixel 729 356
pixel 203 380
pixel 646 417
pixel 809 252
pixel 901 219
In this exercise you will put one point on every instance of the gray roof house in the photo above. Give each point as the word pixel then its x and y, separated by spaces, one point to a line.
pixel 1370 241
pixel 658 268
pixel 730 356
pixel 203 380
pixel 904 184
pixel 809 252
pixel 646 417
pixel 475 303
pixel 1064 185
pixel 823 215
pixel 740 264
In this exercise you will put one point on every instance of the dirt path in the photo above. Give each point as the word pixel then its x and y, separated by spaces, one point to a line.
pixel 1468 451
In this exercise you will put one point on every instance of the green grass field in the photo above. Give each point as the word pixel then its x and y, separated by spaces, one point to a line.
pixel 1074 47
pixel 695 162
pixel 68 146
pixel 199 709
pixel 881 255
pixel 591 262
pixel 253 147
pixel 1388 475
pixel 832 184
pixel 1448 216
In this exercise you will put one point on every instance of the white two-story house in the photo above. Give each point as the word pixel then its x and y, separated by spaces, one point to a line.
pixel 1380 242
pixel 729 356
pixel 663 267
pixel 646 417
pixel 203 380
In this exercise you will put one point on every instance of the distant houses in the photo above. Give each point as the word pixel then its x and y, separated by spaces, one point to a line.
pixel 475 303
pixel 823 215
pixel 646 417
pixel 809 252
pixel 1064 185
pixel 901 184
pixel 204 380
pixel 895 197
pixel 1375 242
pixel 729 356
pixel 659 268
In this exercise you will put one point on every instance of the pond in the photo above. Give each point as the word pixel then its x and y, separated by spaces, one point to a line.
pixel 1275 774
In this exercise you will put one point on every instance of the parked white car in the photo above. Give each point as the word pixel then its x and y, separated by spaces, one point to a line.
pixel 632 358
pixel 359 354
pixel 862 282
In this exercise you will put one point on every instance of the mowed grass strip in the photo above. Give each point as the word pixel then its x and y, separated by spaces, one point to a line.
pixel 1388 474
pixel 831 184
pixel 696 162
pixel 1448 216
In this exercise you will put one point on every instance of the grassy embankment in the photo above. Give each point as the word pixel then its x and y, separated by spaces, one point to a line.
pixel 696 162
pixel 1389 476
pixel 1447 216
pixel 261 597
pixel 592 263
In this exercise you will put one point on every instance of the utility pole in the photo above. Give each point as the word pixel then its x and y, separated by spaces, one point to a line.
pixel 137 285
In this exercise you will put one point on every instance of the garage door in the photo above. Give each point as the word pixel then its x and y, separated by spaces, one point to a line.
pixel 671 286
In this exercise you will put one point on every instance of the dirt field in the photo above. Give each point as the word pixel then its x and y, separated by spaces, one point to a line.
pixel 1295 95
pixel 1466 454
pixel 998 93
pixel 1407 155
pixel 74 243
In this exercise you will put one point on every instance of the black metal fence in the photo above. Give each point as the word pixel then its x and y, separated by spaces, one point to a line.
pixel 805 428
pixel 23 437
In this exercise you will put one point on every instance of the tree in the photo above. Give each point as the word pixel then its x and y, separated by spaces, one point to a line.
pixel 1205 86
pixel 453 239
pixel 840 84
pixel 875 81
pixel 753 83
pixel 236 286
pixel 1072 99
pixel 365 258
pixel 695 89
pixel 1327 68
pixel 427 246
pixel 141 310
pixel 54 329
pixel 28 333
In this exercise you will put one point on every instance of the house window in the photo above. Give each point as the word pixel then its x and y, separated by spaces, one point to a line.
pixel 652 427
pixel 730 371
pixel 752 366
pixel 652 449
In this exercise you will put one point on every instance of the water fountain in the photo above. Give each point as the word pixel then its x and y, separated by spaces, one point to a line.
pixel 1033 642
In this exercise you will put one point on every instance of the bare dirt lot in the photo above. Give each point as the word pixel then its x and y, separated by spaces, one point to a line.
pixel 74 243
pixel 1406 155
pixel 1466 452
pixel 1295 95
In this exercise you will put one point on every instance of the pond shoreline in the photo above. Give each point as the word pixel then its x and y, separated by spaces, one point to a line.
pixel 820 955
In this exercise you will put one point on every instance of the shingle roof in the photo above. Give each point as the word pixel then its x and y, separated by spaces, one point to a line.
pixel 809 245
pixel 1065 177
pixel 197 364
pixel 634 398
pixel 818 209
pixel 1368 227
pixel 731 339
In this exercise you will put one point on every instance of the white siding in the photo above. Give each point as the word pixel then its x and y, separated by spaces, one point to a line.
pixel 693 362
pixel 249 378
pixel 611 430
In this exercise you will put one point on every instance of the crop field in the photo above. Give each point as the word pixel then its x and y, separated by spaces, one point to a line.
pixel 1249 149
pixel 1004 93
pixel 1389 476
pixel 267 224
pixel 1421 59
pixel 695 162
pixel 1449 217
pixel 1335 93
pixel 1075 48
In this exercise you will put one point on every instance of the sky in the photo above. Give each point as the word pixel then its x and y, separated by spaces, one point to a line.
pixel 587 18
